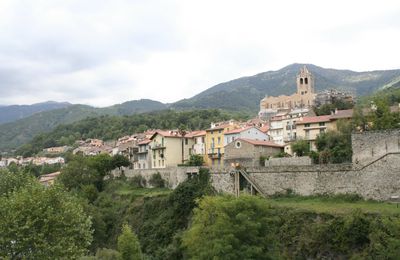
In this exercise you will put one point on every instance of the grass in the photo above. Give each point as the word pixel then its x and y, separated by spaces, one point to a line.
pixel 335 205
pixel 128 190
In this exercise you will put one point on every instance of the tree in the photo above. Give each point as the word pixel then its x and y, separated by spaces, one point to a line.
pixel 41 223
pixel 301 147
pixel 119 161
pixel 334 147
pixel 78 173
pixel 224 227
pixel 128 244
pixel 195 160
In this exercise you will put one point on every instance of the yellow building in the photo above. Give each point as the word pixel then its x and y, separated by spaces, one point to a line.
pixel 308 128
pixel 169 148
pixel 215 143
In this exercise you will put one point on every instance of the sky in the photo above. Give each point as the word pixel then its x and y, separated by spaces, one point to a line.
pixel 101 52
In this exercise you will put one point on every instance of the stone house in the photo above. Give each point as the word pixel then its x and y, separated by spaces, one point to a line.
pixel 247 152
pixel 49 179
pixel 249 132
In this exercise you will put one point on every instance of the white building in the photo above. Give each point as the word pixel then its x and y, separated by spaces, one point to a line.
pixel 144 155
pixel 276 128
pixel 199 146
pixel 249 132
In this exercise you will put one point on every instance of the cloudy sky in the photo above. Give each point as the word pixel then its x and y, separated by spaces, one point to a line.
pixel 102 52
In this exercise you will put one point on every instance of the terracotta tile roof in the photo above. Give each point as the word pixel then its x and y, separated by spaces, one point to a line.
pixel 314 119
pixel 168 133
pixel 264 129
pixel 220 127
pixel 261 143
pixel 348 113
pixel 239 130
pixel 145 141
pixel 196 133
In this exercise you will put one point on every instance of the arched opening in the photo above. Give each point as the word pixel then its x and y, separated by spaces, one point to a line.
pixel 306 80
pixel 301 81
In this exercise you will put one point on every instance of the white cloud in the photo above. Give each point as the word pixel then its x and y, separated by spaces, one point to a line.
pixel 106 52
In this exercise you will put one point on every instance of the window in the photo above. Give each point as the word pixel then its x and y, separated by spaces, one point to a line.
pixel 238 144
pixel 212 132
pixel 307 125
pixel 202 140
pixel 307 134
pixel 162 141
pixel 220 131
pixel 301 81
pixel 306 80
pixel 219 140
pixel 186 141
pixel 322 124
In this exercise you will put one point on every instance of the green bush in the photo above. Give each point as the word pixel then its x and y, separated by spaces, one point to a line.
pixel 157 181
pixel 138 181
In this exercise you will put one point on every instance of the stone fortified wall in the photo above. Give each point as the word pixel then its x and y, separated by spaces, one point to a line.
pixel 370 146
pixel 374 173
pixel 173 176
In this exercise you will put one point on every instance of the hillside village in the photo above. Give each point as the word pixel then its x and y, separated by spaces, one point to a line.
pixel 281 121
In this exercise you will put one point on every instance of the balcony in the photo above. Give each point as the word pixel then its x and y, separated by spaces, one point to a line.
pixel 289 138
pixel 215 155
pixel 157 146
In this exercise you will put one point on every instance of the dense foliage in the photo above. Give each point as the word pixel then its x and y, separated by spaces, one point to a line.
pixel 300 147
pixel 248 228
pixel 128 244
pixel 225 227
pixel 375 113
pixel 38 222
pixel 113 127
pixel 327 109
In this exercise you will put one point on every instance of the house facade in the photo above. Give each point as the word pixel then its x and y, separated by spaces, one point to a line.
pixel 310 127
pixel 248 153
pixel 249 132
pixel 215 143
pixel 169 149
pixel 144 155
pixel 199 143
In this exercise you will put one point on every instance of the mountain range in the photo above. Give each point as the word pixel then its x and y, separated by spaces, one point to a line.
pixel 15 112
pixel 242 94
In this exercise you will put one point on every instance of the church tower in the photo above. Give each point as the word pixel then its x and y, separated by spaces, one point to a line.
pixel 305 82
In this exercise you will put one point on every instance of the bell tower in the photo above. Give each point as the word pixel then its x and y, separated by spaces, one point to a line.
pixel 305 82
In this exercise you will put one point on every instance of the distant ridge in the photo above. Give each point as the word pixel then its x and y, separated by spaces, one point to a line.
pixel 245 93
pixel 15 133
pixel 15 112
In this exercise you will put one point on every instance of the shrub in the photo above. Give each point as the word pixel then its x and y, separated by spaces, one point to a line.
pixel 138 181
pixel 157 181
